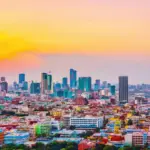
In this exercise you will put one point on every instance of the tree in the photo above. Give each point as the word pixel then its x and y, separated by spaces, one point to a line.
pixel 99 147
pixel 39 146
pixel 105 122
pixel 72 127
pixel 86 134
pixel 130 122
pixel 127 148
pixel 137 148
pixel 146 145
pixel 108 147
pixel 97 129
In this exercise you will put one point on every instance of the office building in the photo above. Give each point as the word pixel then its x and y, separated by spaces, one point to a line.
pixel 96 87
pixel 73 78
pixel 15 85
pixel 86 122
pixel 3 79
pixel 113 90
pixel 104 85
pixel 21 78
pixel 44 83
pixel 64 83
pixel 98 83
pixel 57 86
pixel 49 82
pixel 25 86
pixel 4 86
pixel 123 89
pixel 35 88
pixel 85 84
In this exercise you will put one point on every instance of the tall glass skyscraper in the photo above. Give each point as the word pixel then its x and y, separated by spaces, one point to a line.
pixel 73 78
pixel 21 78
pixel 85 84
pixel 81 84
pixel 35 88
pixel 123 89
pixel 44 83
pixel 49 82
pixel 25 86
pixel 64 82
pixel 98 83
pixel 113 90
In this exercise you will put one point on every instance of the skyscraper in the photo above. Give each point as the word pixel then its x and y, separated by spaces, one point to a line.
pixel 3 85
pixel 21 78
pixel 73 78
pixel 81 84
pixel 25 86
pixel 35 88
pixel 64 82
pixel 113 90
pixel 123 89
pixel 44 83
pixel 98 83
pixel 49 82
pixel 85 83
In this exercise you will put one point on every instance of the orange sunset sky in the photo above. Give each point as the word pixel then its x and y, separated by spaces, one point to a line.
pixel 99 38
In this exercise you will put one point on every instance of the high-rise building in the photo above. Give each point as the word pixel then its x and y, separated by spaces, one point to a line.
pixel 4 86
pixel 3 79
pixel 44 83
pixel 25 86
pixel 109 85
pixel 88 84
pixel 85 84
pixel 73 78
pixel 81 84
pixel 104 85
pixel 35 88
pixel 96 87
pixel 15 85
pixel 21 78
pixel 64 82
pixel 49 82
pixel 98 83
pixel 123 89
pixel 113 90
pixel 57 86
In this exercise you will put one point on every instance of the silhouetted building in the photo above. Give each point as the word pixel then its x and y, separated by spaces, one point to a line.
pixel 123 89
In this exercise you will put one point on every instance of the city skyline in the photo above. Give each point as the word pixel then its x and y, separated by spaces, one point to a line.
pixel 17 78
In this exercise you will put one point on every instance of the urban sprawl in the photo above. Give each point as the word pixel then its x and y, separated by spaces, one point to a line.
pixel 75 114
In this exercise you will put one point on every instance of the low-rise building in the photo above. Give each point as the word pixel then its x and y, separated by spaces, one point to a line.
pixel 87 122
